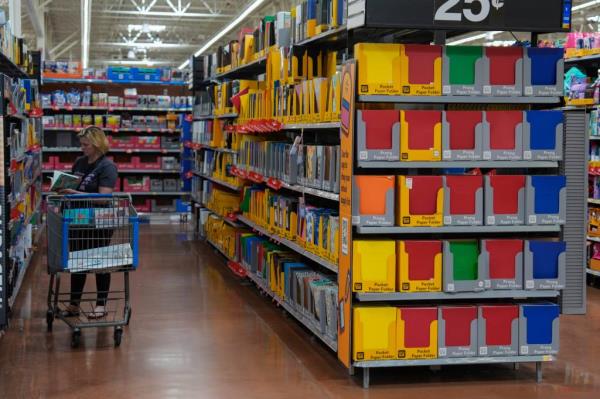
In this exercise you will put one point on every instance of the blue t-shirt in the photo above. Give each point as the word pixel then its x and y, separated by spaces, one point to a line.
pixel 102 173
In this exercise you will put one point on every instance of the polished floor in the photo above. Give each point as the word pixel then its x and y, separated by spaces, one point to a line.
pixel 199 332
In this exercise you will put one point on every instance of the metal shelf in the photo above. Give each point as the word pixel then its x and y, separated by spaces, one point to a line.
pixel 250 69
pixel 113 130
pixel 594 57
pixel 108 81
pixel 435 296
pixel 204 118
pixel 9 68
pixel 593 201
pixel 594 138
pixel 111 109
pixel 118 150
pixel 455 361
pixel 217 181
pixel 593 239
pixel 226 116
pixel 131 171
pixel 459 229
pixel 324 36
pixel 592 272
pixel 291 245
pixel 312 126
pixel 220 250
pixel 218 149
pixel 458 100
pixel 227 220
pixel 312 191
pixel 157 193
pixel 459 164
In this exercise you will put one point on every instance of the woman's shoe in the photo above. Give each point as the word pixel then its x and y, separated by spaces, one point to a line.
pixel 70 311
pixel 98 313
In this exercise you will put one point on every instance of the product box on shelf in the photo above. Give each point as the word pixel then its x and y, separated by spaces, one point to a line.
pixel 417 333
pixel 503 139
pixel 546 200
pixel 504 71
pixel 503 264
pixel 544 72
pixel 169 163
pixel 124 161
pixel 142 205
pixel 374 266
pixel 462 135
pixel 171 185
pixel 166 205
pixel 135 184
pixel 421 136
pixel 373 200
pixel 539 330
pixel 545 265
pixel 379 68
pixel 156 185
pixel 147 162
pixel 457 331
pixel 148 142
pixel 123 142
pixel 119 73
pixel 462 271
pixel 543 135
pixel 421 73
pixel 378 135
pixel 505 200
pixel 463 71
pixel 421 201
pixel 419 266
pixel 498 330
pixel 463 200
pixel 374 333
pixel 169 143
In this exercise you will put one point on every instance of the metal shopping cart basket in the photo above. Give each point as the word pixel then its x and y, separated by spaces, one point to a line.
pixel 91 233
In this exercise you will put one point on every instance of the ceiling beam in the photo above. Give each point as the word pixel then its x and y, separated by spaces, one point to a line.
pixel 179 46
pixel 86 21
pixel 169 14
pixel 36 22
pixel 65 49
pixel 54 49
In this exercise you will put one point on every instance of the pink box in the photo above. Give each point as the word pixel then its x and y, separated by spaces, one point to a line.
pixel 148 161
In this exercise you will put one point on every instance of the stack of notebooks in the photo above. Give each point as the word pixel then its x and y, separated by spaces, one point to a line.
pixel 217 165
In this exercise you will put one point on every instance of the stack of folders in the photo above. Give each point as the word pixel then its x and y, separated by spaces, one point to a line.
pixel 217 165
pixel 312 17
pixel 222 202
pixel 224 236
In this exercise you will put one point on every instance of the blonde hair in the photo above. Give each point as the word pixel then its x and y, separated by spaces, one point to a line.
pixel 96 137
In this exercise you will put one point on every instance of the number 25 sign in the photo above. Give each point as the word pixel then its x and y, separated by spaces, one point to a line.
pixel 474 11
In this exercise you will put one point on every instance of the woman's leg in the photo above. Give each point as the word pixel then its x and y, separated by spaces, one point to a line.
pixel 102 286
pixel 77 284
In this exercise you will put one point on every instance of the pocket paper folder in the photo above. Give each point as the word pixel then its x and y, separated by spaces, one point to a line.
pixel 544 72
pixel 498 330
pixel 422 70
pixel 419 266
pixel 378 137
pixel 421 136
pixel 545 265
pixel 543 136
pixel 504 71
pixel 463 71
pixel 503 263
pixel 417 331
pixel 463 200
pixel 379 68
pixel 503 140
pixel 462 135
pixel 539 329
pixel 462 271
pixel 421 200
pixel 457 331
pixel 546 199
pixel 374 266
pixel 374 333
pixel 373 201
pixel 504 200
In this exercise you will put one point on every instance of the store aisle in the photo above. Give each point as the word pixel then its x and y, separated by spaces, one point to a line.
pixel 197 331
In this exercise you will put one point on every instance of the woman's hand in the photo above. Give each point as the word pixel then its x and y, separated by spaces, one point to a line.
pixel 65 191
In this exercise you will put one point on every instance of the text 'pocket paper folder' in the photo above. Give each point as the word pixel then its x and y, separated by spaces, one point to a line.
pixel 379 68
pixel 539 329
pixel 504 139
pixel 374 266
pixel 378 137
pixel 545 265
pixel 421 136
pixel 373 200
pixel 419 266
pixel 498 330
pixel 461 269
pixel 416 331
pixel 543 136
pixel 421 200
pixel 374 333
pixel 462 135
pixel 422 70
pixel 463 200
pixel 504 200
pixel 544 72
pixel 546 199
pixel 463 70
pixel 457 331
pixel 505 71
pixel 503 261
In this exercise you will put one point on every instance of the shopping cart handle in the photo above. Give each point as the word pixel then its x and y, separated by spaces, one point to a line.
pixel 84 196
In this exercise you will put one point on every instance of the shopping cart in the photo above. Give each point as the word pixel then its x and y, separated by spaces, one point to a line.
pixel 91 233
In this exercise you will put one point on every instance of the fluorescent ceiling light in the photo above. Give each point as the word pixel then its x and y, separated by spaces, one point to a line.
pixel 145 28
pixel 85 32
pixel 473 38
pixel 586 5
pixel 134 62
pixel 146 44
pixel 225 30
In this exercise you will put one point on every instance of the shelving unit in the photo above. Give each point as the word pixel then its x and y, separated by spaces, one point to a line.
pixel 460 165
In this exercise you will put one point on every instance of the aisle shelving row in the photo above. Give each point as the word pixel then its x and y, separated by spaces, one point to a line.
pixel 126 151
pixel 130 171
pixel 113 130
pixel 111 109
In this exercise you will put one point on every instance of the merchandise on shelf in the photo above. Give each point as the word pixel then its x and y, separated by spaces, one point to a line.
pixel 462 135
pixel 503 264
pixel 457 331
pixel 417 333
pixel 374 333
pixel 75 98
pixel 421 136
pixel 505 200
pixel 545 265
pixel 546 200
pixel 222 202
pixel 498 330
pixel 462 271
pixel 503 140
pixel 374 266
pixel 168 121
pixel 539 329
pixel 419 266
pixel 218 166
pixel 421 201
pixel 374 201
pixel 378 135
pixel 463 200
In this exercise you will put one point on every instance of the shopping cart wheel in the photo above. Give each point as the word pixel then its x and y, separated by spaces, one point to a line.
pixel 49 319
pixel 118 336
pixel 76 338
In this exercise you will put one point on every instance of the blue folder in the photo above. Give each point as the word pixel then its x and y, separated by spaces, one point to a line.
pixel 539 323
pixel 544 62
pixel 545 258
pixel 543 129
pixel 287 275
pixel 547 193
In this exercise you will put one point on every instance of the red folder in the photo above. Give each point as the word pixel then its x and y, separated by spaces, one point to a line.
pixel 421 125
pixel 421 258
pixel 458 324
pixel 462 128
pixel 498 324
pixel 421 62
pixel 506 193
pixel 463 190
pixel 423 195
pixel 503 64
pixel 502 128
pixel 502 254
pixel 379 126
pixel 417 322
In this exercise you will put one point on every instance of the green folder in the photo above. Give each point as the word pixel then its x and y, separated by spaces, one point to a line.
pixel 465 255
pixel 462 60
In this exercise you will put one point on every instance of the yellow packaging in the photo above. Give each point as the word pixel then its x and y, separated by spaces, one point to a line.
pixel 421 259
pixel 422 120
pixel 374 266
pixel 374 333
pixel 379 68
pixel 421 190
pixel 411 331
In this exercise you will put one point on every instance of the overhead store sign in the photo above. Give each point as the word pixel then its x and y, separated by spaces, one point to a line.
pixel 483 15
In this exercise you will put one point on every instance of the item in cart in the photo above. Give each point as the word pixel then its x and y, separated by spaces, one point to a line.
pixel 504 71
pixel 419 266
pixel 498 330
pixel 374 333
pixel 546 200
pixel 539 329
pixel 463 200
pixel 463 71
pixel 417 332
pixel 543 135
pixel 545 265
pixel 378 137
pixel 421 201
pixel 504 200
pixel 374 266
pixel 503 263
pixel 421 136
pixel 462 135
pixel 503 140
pixel 373 203
pixel 462 271
pixel 457 331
